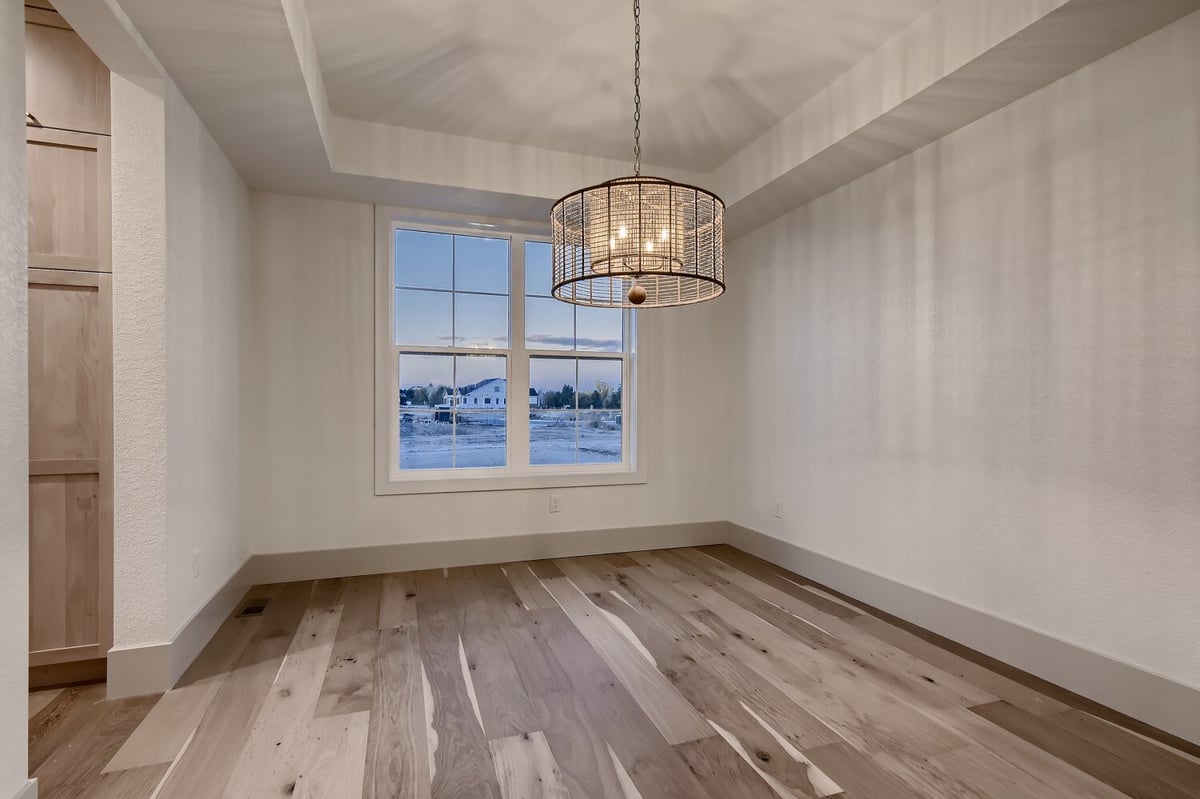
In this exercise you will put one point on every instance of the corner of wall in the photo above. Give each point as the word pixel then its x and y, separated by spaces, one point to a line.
pixel 14 406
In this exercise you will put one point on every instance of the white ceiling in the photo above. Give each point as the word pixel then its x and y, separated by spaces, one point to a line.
pixel 558 74
pixel 497 108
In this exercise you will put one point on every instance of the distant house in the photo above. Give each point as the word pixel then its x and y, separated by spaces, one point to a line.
pixel 486 395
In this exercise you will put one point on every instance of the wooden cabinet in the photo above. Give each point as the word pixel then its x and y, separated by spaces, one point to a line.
pixel 70 467
pixel 70 355
pixel 69 215
pixel 66 85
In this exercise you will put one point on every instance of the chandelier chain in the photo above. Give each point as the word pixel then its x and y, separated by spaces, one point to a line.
pixel 637 87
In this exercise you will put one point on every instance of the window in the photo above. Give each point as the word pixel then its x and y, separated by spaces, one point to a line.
pixel 465 324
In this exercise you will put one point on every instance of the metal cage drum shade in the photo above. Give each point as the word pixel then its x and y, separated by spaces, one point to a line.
pixel 666 237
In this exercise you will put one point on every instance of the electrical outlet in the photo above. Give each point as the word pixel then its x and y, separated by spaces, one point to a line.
pixel 778 509
pixel 195 564
pixel 554 508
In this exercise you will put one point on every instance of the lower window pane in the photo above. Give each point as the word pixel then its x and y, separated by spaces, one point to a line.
pixel 600 436
pixel 577 411
pixel 552 435
pixel 439 425
pixel 426 438
pixel 423 318
pixel 599 386
pixel 598 329
pixel 480 440
pixel 426 434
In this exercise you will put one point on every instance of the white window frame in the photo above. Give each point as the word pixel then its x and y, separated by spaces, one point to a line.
pixel 518 473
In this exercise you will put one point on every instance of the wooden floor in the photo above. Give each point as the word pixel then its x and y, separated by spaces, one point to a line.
pixel 683 673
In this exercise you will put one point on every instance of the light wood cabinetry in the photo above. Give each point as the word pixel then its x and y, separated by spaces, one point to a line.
pixel 70 466
pixel 70 355
pixel 66 85
pixel 69 216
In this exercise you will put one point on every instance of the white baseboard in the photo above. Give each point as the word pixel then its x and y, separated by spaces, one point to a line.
pixel 1157 700
pixel 138 670
pixel 312 565
pixel 198 630
pixel 29 791
pixel 152 668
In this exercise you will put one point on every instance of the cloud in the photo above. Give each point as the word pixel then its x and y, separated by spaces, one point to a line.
pixel 555 341
pixel 501 342
pixel 598 343
pixel 576 343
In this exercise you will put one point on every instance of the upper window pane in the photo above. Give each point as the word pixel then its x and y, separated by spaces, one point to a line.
pixel 554 325
pixel 424 260
pixel 598 329
pixel 481 264
pixel 539 269
pixel 549 324
pixel 424 318
pixel 481 320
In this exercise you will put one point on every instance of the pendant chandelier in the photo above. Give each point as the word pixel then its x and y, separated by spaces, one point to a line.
pixel 638 240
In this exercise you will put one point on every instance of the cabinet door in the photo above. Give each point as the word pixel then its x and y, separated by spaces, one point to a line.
pixel 70 467
pixel 70 219
pixel 66 85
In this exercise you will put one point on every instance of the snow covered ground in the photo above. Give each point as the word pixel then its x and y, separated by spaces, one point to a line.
pixel 481 440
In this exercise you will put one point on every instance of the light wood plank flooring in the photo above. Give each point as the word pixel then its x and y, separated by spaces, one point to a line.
pixel 680 673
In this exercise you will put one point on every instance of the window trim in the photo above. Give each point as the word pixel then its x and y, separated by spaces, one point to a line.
pixel 389 480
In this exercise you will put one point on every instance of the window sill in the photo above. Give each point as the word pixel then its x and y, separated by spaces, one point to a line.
pixel 461 483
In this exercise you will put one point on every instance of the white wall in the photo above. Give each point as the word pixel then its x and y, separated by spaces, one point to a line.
pixel 139 256
pixel 208 255
pixel 977 370
pixel 312 416
pixel 180 293
pixel 14 408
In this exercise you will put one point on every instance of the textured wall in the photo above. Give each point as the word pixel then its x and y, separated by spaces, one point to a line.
pixel 14 408
pixel 180 278
pixel 139 364
pixel 313 416
pixel 977 370
pixel 208 251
